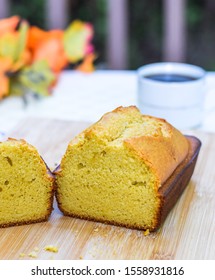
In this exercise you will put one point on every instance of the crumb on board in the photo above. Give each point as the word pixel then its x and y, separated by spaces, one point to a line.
pixel 96 229
pixel 32 254
pixel 21 255
pixel 51 248
pixel 146 232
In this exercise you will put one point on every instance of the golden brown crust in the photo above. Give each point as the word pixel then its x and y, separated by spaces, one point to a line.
pixel 172 188
pixel 105 123
pixel 162 154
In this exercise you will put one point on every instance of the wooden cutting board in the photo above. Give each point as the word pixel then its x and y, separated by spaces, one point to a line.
pixel 188 232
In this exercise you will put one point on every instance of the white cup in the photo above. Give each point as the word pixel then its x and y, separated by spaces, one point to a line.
pixel 181 103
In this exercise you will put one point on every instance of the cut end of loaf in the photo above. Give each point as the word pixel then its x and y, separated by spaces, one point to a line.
pixel 107 184
pixel 26 186
pixel 112 171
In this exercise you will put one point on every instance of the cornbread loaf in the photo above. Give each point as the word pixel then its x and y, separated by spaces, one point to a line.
pixel 26 185
pixel 127 169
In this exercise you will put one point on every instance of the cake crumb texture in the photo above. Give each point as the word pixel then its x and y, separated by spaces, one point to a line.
pixel 26 185
pixel 51 248
pixel 32 254
pixel 112 171
pixel 22 255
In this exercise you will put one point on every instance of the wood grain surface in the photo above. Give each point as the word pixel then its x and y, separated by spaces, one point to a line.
pixel 188 232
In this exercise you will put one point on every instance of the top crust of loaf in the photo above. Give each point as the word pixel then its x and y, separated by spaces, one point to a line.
pixel 151 139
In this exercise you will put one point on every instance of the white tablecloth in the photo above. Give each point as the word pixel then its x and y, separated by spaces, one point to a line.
pixel 86 97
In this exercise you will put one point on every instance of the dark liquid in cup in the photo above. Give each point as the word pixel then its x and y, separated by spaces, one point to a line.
pixel 171 78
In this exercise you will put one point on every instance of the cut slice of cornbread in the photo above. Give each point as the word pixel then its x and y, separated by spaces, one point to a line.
pixel 26 185
pixel 113 171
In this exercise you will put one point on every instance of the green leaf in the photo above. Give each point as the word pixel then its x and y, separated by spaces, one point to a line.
pixel 16 88
pixel 37 78
pixel 76 40
pixel 21 44
pixel 8 45
pixel 12 45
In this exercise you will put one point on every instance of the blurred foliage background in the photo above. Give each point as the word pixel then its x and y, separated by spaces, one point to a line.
pixel 145 28
pixel 33 10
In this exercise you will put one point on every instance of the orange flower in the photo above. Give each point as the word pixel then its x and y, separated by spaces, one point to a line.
pixel 5 65
pixel 48 46
pixel 8 24
pixel 13 52
pixel 31 58
pixel 87 64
